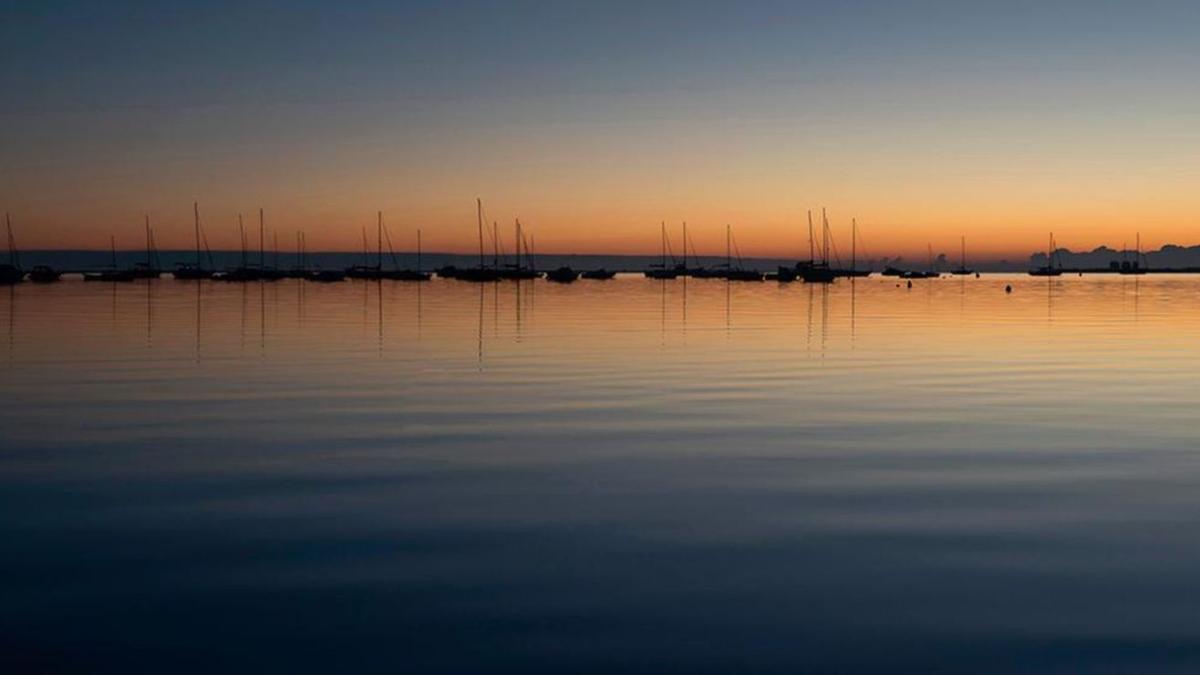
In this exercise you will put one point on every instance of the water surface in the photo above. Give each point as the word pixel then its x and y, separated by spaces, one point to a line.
pixel 624 476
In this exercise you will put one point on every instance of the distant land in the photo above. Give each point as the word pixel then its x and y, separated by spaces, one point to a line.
pixel 1170 256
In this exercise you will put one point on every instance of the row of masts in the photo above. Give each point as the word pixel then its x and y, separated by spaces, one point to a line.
pixel 818 267
pixel 523 265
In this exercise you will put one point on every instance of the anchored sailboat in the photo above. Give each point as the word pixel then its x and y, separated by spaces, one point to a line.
pixel 150 268
pixel 853 271
pixel 660 270
pixel 195 270
pixel 113 273
pixel 962 261
pixel 738 273
pixel 482 273
pixel 1053 266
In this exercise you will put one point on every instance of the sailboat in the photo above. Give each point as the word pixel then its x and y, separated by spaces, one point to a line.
pixel 398 274
pixel 195 270
pixel 11 273
pixel 518 269
pixel 660 270
pixel 245 271
pixel 818 272
pixel 272 273
pixel 150 268
pixel 1050 269
pixel 853 271
pixel 113 273
pixel 365 270
pixel 962 261
pixel 738 273
pixel 483 273
pixel 1136 267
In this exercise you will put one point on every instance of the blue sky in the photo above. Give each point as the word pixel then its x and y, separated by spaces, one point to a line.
pixel 139 106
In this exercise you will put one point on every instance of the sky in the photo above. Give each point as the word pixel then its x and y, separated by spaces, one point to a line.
pixel 594 122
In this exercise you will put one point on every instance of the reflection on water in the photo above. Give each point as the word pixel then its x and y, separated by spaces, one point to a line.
pixel 634 475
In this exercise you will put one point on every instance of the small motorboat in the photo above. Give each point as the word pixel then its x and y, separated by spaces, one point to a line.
pixel 562 275
pixel 600 274
pixel 44 274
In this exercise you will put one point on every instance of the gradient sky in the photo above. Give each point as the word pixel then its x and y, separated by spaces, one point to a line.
pixel 593 122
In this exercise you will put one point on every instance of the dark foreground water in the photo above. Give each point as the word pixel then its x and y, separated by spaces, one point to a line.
pixel 625 476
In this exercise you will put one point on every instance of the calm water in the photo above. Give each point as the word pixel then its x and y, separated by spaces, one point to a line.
pixel 625 476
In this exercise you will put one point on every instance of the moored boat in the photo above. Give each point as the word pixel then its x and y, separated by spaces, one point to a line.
pixel 660 270
pixel 113 273
pixel 1050 269
pixel 44 274
pixel 600 274
pixel 196 270
pixel 562 275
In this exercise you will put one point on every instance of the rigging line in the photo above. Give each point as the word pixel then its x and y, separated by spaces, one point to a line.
pixel 737 251
pixel 833 245
pixel 391 252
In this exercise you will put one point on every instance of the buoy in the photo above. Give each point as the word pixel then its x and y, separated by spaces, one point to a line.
pixel 1008 288
pixel 910 284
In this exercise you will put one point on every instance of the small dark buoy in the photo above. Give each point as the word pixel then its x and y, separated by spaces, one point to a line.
pixel 1008 288
pixel 977 275
pixel 910 284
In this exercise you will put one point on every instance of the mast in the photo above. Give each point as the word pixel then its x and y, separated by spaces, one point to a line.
pixel 685 244
pixel 479 218
pixel 261 239
pixel 241 230
pixel 299 255
pixel 664 244
pixel 379 243
pixel 824 238
pixel 418 250
pixel 147 241
pixel 196 214
pixel 728 236
pixel 518 242
pixel 112 242
pixel 853 244
pixel 495 245
pixel 811 254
